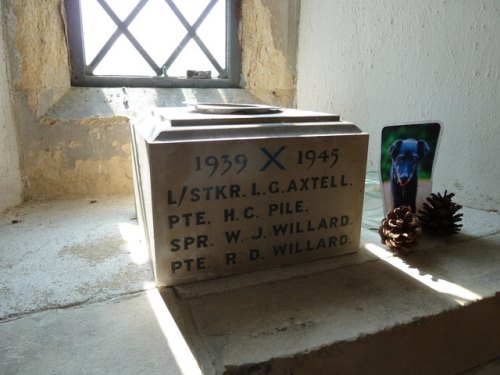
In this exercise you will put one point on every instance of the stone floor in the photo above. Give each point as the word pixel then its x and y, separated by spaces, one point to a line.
pixel 77 296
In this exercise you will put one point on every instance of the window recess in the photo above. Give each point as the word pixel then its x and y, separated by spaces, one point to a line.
pixel 154 43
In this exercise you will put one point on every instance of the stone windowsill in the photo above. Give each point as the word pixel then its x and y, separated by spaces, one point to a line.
pixel 93 105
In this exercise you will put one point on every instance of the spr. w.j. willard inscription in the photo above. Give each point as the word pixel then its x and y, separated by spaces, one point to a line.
pixel 242 193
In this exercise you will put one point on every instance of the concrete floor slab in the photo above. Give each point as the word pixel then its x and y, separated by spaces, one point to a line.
pixel 128 336
pixel 61 253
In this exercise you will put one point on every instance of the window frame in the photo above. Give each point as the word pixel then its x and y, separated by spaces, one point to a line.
pixel 79 76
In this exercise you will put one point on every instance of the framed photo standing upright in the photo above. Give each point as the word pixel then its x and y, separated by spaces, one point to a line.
pixel 407 158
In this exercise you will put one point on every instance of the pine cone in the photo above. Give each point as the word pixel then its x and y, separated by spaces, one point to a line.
pixel 439 216
pixel 400 229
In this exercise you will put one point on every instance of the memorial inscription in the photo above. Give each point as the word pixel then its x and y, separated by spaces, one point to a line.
pixel 231 206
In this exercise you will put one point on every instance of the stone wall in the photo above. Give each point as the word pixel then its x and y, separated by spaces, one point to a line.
pixel 269 49
pixel 383 62
pixel 41 67
pixel 59 156
pixel 10 177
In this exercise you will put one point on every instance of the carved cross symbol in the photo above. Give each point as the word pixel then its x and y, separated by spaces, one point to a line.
pixel 272 158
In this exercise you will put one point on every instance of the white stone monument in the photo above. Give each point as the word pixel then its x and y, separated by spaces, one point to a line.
pixel 232 193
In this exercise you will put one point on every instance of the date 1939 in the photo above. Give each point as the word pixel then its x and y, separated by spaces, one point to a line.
pixel 223 163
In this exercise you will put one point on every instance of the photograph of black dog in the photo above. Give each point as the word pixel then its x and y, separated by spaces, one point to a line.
pixel 406 155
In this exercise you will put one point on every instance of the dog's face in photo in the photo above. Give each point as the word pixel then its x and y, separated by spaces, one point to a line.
pixel 406 155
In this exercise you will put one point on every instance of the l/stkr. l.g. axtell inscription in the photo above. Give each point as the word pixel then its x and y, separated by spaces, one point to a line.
pixel 233 191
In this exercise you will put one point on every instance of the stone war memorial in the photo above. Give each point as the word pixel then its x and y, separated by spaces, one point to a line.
pixel 224 191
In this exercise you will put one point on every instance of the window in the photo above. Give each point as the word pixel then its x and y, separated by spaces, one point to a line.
pixel 154 43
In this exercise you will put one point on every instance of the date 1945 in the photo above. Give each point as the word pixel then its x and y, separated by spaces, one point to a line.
pixel 313 156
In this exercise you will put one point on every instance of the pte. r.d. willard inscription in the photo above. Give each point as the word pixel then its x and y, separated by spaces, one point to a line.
pixel 223 203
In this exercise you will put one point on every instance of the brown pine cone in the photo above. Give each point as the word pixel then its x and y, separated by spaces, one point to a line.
pixel 400 229
pixel 439 214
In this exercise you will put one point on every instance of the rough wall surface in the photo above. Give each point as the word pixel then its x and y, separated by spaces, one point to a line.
pixel 82 158
pixel 83 161
pixel 88 156
pixel 42 71
pixel 10 177
pixel 382 62
pixel 269 50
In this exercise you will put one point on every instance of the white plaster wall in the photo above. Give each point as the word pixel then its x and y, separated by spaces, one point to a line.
pixel 378 62
pixel 10 178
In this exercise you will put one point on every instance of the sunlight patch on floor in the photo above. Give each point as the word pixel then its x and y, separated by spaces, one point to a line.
pixel 176 342
pixel 134 242
pixel 460 294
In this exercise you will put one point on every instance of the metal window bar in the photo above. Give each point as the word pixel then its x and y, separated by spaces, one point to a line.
pixel 122 28
pixel 82 74
pixel 191 34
